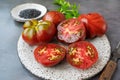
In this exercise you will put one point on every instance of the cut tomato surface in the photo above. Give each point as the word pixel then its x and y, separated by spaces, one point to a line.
pixel 82 54
pixel 71 30
pixel 49 54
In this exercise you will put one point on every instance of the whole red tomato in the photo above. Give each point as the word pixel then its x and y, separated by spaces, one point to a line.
pixel 82 54
pixel 49 54
pixel 54 16
pixel 71 30
pixel 36 32
pixel 95 24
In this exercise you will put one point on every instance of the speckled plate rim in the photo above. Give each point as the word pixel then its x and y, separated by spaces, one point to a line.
pixel 16 10
pixel 93 74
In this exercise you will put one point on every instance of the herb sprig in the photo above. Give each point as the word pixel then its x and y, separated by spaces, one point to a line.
pixel 68 9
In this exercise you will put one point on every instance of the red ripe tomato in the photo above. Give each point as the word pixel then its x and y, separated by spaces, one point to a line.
pixel 29 36
pixel 45 31
pixel 82 54
pixel 95 24
pixel 36 32
pixel 54 16
pixel 49 54
pixel 71 30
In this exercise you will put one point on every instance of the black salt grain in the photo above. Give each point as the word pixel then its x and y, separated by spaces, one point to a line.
pixel 29 13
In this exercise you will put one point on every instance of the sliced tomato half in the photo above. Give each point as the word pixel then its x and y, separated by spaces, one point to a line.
pixel 82 54
pixel 49 54
pixel 71 30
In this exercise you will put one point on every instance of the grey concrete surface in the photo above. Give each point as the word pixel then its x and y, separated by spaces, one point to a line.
pixel 10 30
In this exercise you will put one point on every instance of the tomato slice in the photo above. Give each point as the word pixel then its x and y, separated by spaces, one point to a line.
pixel 49 54
pixel 95 24
pixel 71 30
pixel 82 54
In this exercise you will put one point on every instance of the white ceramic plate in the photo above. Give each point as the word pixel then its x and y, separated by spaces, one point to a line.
pixel 64 71
pixel 16 11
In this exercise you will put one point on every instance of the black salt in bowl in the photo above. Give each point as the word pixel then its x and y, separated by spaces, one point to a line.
pixel 28 11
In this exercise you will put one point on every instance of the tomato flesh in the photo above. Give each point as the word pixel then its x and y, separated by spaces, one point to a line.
pixel 82 54
pixel 71 30
pixel 49 54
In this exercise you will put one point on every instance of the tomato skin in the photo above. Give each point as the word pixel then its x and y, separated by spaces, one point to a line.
pixel 49 54
pixel 28 37
pixel 95 24
pixel 47 33
pixel 37 32
pixel 54 16
pixel 82 54
pixel 71 30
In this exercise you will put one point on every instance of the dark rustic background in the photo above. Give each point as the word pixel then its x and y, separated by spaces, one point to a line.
pixel 10 30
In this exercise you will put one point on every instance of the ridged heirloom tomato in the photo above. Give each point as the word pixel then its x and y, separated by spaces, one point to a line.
pixel 49 54
pixel 71 30
pixel 54 16
pixel 36 32
pixel 82 54
pixel 95 24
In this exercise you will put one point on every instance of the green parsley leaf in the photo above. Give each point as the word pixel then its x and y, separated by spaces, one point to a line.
pixel 69 10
